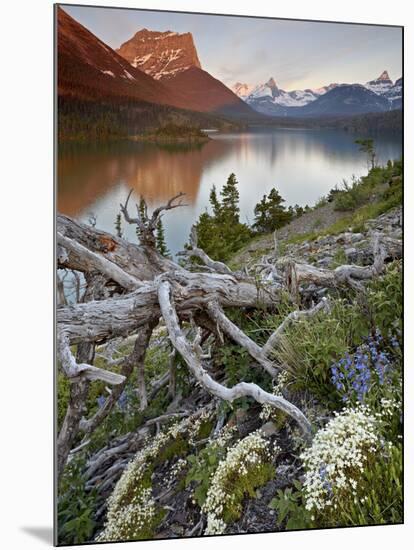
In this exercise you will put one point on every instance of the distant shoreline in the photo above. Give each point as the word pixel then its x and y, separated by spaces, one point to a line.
pixel 153 138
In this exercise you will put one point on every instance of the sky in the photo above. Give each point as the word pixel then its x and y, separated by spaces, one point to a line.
pixel 298 54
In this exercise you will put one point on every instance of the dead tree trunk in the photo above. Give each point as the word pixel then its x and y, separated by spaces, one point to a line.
pixel 141 286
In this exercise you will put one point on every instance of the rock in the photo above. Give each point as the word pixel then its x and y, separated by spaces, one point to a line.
pixel 269 429
pixel 324 262
pixel 351 254
pixel 355 237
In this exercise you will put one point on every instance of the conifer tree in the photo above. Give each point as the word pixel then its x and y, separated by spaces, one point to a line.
pixel 160 237
pixel 270 214
pixel 220 234
pixel 215 203
pixel 230 200
pixel 367 146
pixel 142 207
pixel 118 225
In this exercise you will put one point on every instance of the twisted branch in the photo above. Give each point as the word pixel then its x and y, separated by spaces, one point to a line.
pixel 242 389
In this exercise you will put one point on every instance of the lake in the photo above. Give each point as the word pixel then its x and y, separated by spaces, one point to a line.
pixel 303 164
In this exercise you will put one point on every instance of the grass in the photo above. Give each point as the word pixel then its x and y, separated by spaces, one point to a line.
pixel 369 199
pixel 354 222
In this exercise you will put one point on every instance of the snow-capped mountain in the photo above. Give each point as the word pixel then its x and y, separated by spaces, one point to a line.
pixel 269 99
pixel 395 93
pixel 380 85
pixel 162 55
pixel 171 58
pixel 90 69
pixel 344 100
pixel 242 90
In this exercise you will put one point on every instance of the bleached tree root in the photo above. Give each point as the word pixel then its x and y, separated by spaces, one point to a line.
pixel 242 389
pixel 74 370
pixel 134 360
pixel 137 285
pixel 196 252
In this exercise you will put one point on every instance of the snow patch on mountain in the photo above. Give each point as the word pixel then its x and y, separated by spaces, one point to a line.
pixel 271 99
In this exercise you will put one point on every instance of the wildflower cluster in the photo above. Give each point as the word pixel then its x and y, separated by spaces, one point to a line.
pixel 354 375
pixel 267 409
pixel 122 403
pixel 176 470
pixel 131 508
pixel 339 452
pixel 246 466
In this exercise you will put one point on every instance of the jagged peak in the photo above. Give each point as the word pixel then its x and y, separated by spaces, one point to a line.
pixel 271 83
pixel 384 76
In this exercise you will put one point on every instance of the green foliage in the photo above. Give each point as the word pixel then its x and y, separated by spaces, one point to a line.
pixel 161 244
pixel 385 300
pixel 172 130
pixel 339 258
pixel 270 214
pixel 235 361
pixel 230 210
pixel 322 201
pixel 63 389
pixel 367 146
pixel 221 233
pixel 245 485
pixel 291 512
pixel 379 498
pixel 118 225
pixel 312 345
pixel 203 466
pixel 75 506
pixel 97 120
pixel 173 449
pixel 361 191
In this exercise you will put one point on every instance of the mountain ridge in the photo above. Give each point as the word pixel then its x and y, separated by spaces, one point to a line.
pixel 172 58
pixel 269 99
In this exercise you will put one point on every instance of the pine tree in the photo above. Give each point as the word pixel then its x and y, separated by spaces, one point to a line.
pixel 142 208
pixel 215 203
pixel 161 244
pixel 230 200
pixel 221 234
pixel 270 214
pixel 367 146
pixel 118 226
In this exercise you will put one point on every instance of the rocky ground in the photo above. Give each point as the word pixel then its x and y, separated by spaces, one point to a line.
pixel 351 246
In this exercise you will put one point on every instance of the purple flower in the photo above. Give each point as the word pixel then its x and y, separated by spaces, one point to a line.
pixel 101 401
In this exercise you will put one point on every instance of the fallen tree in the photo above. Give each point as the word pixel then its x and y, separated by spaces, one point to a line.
pixel 132 288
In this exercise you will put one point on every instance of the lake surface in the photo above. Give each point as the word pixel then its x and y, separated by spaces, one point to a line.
pixel 303 164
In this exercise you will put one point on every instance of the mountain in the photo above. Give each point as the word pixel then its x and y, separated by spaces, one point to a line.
pixel 271 100
pixel 242 90
pixel 345 99
pixel 380 85
pixel 395 94
pixel 160 54
pixel 171 58
pixel 88 69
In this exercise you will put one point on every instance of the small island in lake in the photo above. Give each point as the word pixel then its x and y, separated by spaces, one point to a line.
pixel 174 133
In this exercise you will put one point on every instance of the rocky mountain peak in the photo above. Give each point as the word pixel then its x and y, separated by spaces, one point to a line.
pixel 384 76
pixel 162 55
pixel 271 83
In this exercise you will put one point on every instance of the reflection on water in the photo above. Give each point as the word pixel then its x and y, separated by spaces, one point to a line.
pixel 302 164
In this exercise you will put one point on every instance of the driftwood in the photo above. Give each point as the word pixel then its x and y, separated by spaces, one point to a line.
pixel 138 287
